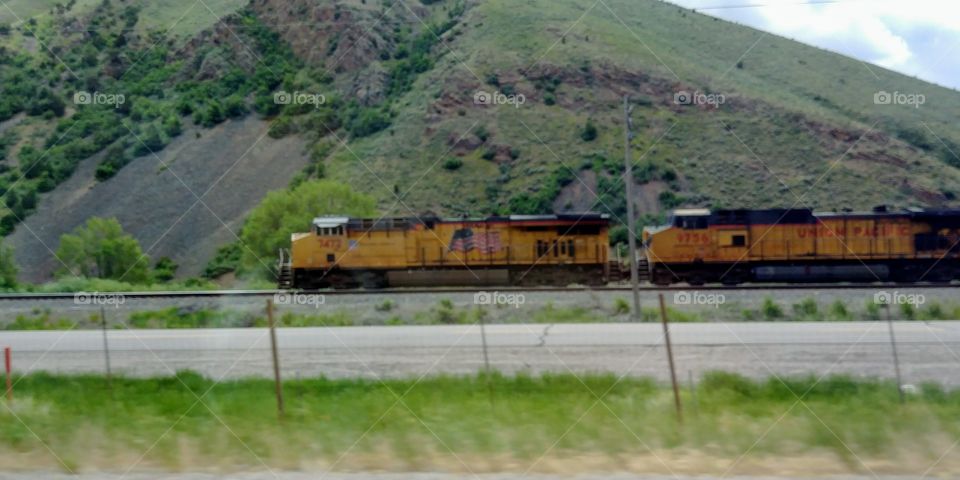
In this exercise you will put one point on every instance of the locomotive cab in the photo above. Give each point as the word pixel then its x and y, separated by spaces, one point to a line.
pixel 323 246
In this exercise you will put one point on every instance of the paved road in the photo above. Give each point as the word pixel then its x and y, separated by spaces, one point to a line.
pixel 929 351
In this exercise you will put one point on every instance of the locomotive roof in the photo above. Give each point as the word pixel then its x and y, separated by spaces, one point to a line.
pixel 805 215
pixel 393 222
pixel 330 222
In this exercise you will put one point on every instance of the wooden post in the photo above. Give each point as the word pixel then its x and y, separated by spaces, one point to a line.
pixel 673 372
pixel 896 358
pixel 106 346
pixel 486 357
pixel 693 393
pixel 276 357
pixel 7 360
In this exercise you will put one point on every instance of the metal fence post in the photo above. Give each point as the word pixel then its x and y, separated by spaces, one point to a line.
pixel 276 357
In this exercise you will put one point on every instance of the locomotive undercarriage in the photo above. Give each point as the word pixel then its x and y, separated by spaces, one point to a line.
pixel 545 275
pixel 904 271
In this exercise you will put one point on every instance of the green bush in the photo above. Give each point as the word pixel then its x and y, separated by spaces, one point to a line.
pixel 284 212
pixel 589 132
pixel 770 309
pixel 452 164
pixel 101 249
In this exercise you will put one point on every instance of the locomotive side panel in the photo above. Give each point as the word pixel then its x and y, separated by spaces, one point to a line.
pixel 343 251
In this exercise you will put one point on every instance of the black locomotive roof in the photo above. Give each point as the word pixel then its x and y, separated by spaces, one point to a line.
pixel 392 223
pixel 944 217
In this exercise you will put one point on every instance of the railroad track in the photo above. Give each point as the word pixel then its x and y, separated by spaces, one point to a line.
pixel 391 291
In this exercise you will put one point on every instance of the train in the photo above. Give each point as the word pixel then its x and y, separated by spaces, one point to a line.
pixel 528 250
pixel 694 247
pixel 698 246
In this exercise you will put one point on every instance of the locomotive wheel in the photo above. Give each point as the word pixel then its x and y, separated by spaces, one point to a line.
pixel 372 280
pixel 941 275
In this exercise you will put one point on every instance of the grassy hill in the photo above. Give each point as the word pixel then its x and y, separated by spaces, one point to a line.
pixel 797 126
pixel 792 115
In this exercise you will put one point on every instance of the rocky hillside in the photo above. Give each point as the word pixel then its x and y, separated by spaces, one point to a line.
pixel 441 105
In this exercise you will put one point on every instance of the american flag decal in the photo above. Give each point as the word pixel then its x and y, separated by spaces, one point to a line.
pixel 464 240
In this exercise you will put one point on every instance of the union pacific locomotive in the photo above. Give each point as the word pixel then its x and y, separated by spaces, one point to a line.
pixel 695 246
pixel 343 252
pixel 698 246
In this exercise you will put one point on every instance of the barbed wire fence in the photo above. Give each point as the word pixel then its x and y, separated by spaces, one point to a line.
pixel 904 336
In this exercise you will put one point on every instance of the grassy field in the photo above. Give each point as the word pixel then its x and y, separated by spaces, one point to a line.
pixel 470 423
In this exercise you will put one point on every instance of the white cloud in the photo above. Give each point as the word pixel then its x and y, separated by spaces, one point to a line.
pixel 916 37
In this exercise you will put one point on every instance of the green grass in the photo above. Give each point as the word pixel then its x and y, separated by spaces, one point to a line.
pixel 185 18
pixel 93 425
pixel 16 11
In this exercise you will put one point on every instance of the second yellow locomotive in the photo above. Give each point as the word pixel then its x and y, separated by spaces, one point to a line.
pixel 698 246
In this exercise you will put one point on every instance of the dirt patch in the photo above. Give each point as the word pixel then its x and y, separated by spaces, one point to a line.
pixel 579 195
pixel 231 167
pixel 647 196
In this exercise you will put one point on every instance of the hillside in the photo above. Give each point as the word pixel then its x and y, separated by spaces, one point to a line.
pixel 798 126
pixel 792 114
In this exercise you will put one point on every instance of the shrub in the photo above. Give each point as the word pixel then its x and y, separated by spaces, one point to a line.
pixel 621 307
pixel 589 132
pixel 283 212
pixel 838 310
pixel 101 249
pixel 807 309
pixel 452 164
pixel 770 309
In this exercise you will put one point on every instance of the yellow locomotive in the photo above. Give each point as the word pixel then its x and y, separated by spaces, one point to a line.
pixel 797 245
pixel 344 252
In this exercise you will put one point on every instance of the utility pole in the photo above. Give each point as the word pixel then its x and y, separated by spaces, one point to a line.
pixel 631 223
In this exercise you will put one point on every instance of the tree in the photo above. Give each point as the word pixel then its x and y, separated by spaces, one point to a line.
pixel 8 268
pixel 284 212
pixel 101 249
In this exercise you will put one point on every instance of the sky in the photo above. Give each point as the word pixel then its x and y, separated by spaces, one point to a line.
pixel 916 37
